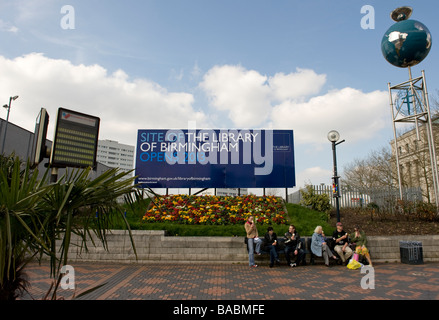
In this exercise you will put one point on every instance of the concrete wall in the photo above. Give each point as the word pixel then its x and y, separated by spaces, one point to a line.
pixel 155 247
pixel 384 248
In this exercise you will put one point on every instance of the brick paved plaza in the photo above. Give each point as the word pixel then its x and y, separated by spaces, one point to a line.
pixel 393 281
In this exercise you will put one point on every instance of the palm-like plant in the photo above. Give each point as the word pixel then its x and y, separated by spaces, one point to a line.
pixel 81 206
pixel 20 223
pixel 34 214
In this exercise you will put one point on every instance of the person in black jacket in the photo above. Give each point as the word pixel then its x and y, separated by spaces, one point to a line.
pixel 270 242
pixel 341 239
pixel 293 246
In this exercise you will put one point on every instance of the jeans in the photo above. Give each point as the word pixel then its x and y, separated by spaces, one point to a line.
pixel 273 253
pixel 251 244
pixel 300 254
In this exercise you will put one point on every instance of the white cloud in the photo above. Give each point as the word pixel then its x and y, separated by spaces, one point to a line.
pixel 297 85
pixel 314 176
pixel 124 105
pixel 243 93
pixel 249 98
pixel 355 114
pixel 8 27
pixel 294 101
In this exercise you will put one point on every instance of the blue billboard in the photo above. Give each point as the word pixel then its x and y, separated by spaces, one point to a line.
pixel 215 158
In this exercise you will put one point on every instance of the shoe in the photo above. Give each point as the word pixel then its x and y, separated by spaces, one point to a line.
pixel 254 266
pixel 271 265
pixel 293 265
pixel 278 262
pixel 258 253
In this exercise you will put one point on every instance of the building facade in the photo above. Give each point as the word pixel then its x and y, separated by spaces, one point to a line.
pixel 222 192
pixel 414 159
pixel 115 154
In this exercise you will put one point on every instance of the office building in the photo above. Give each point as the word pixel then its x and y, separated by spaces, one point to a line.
pixel 115 154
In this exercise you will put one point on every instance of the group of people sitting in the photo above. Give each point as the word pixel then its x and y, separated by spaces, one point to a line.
pixel 341 241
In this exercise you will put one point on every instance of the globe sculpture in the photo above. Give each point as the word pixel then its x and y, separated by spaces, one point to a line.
pixel 407 42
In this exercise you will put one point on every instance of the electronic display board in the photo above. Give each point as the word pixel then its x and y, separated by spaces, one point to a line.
pixel 76 140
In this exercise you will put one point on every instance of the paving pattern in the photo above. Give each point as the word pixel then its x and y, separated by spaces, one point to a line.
pixel 240 282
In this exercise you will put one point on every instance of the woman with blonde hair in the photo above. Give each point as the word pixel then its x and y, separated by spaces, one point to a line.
pixel 319 246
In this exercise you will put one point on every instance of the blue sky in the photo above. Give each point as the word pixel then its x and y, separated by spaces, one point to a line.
pixel 285 64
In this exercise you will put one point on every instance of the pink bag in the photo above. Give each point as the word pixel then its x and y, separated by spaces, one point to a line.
pixel 355 257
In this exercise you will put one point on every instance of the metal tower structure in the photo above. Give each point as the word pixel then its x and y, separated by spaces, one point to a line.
pixel 404 45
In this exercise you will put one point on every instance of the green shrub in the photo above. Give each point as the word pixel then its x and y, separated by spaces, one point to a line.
pixel 426 211
pixel 317 202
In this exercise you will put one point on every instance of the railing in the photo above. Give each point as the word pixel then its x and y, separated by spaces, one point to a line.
pixel 385 198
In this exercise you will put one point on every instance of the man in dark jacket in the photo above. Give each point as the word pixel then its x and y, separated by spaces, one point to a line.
pixel 293 245
pixel 270 242
pixel 341 239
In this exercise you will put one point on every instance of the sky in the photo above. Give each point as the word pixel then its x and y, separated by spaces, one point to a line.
pixel 310 66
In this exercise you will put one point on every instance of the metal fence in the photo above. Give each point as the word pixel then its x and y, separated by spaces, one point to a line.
pixel 385 198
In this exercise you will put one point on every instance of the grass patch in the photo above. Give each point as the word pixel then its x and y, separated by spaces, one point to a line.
pixel 306 220
pixel 303 218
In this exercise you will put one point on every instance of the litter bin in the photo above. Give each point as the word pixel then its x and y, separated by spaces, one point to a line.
pixel 411 252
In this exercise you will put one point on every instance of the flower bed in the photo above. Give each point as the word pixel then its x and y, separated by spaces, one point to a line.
pixel 214 210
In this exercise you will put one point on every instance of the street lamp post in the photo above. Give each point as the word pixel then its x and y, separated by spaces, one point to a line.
pixel 7 106
pixel 333 137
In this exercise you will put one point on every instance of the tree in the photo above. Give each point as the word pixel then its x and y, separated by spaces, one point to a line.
pixel 376 171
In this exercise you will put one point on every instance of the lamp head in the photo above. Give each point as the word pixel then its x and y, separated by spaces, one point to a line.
pixel 333 136
pixel 14 98
pixel 401 14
